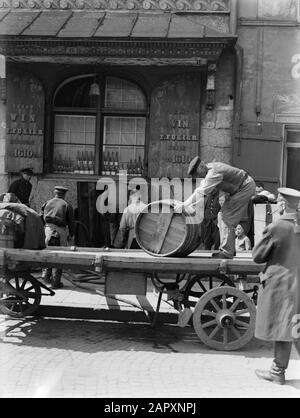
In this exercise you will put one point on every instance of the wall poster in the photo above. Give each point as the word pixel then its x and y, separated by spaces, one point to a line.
pixel 174 125
pixel 24 123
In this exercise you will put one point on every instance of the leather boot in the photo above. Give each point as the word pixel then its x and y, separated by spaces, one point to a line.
pixel 275 374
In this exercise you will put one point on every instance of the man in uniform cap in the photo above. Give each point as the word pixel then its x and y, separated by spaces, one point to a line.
pixel 59 222
pixel 22 186
pixel 279 296
pixel 238 186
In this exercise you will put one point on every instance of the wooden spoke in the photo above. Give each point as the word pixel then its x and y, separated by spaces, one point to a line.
pixel 241 312
pixel 25 281
pixel 214 331
pixel 30 295
pixel 215 305
pixel 209 323
pixel 17 283
pixel 224 303
pixel 236 332
pixel 225 335
pixel 209 313
pixel 235 305
pixel 241 323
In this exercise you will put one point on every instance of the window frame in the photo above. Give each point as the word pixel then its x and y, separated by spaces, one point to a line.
pixel 100 112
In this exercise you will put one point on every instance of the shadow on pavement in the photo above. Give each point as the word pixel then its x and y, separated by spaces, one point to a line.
pixel 93 336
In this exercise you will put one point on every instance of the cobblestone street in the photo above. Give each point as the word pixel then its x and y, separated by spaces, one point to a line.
pixel 44 357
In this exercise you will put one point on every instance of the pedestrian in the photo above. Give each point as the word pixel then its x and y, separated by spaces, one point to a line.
pixel 239 188
pixel 279 296
pixel 22 186
pixel 209 231
pixel 242 242
pixel 127 235
pixel 59 222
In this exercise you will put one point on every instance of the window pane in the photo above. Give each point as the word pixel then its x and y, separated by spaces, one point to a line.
pixel 75 93
pixel 125 146
pixel 74 144
pixel 123 94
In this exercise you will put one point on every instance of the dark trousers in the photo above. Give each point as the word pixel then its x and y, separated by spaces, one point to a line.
pixel 210 235
pixel 282 352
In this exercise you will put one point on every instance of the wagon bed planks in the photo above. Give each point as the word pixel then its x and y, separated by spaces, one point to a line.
pixel 130 260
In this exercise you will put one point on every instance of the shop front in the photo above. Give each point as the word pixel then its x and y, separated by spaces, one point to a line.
pixel 107 90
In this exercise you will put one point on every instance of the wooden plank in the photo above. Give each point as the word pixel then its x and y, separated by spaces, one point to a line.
pixel 159 235
pixel 135 262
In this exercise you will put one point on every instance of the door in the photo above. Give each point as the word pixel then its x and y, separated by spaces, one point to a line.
pixel 292 158
pixel 257 148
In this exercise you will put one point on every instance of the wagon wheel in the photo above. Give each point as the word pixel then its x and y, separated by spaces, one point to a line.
pixel 224 318
pixel 25 300
pixel 199 284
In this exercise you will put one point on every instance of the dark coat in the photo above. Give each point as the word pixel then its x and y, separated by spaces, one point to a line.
pixel 279 298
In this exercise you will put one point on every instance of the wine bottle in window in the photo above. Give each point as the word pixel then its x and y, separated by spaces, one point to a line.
pixel 77 164
pixel 103 171
pixel 91 163
pixel 112 164
pixel 85 163
pixel 134 168
pixel 60 163
pixel 130 168
pixel 81 166
pixel 117 163
pixel 140 165
pixel 55 164
pixel 108 164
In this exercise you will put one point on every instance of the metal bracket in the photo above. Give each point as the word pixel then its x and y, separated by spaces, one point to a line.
pixel 223 267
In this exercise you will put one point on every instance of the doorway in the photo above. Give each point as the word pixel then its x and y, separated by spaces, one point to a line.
pixel 292 158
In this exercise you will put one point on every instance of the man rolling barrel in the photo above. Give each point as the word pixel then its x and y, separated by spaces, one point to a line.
pixel 238 188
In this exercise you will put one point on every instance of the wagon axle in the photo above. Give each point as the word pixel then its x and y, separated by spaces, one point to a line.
pixel 225 318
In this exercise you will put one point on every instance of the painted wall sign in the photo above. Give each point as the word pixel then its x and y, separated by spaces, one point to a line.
pixel 174 126
pixel 24 123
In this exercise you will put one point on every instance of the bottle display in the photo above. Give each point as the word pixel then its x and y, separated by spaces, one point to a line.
pixel 83 163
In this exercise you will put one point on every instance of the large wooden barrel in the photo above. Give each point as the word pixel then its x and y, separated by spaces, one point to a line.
pixel 6 241
pixel 163 233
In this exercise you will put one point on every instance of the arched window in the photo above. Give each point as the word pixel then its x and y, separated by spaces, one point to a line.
pixel 99 126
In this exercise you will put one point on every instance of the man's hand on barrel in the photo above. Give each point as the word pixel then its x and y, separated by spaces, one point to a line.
pixel 180 207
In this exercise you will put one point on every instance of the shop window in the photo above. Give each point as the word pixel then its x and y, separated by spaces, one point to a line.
pixel 111 125
pixel 74 144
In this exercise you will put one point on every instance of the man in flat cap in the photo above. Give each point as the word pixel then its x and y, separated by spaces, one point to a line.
pixel 59 222
pixel 22 186
pixel 278 305
pixel 238 188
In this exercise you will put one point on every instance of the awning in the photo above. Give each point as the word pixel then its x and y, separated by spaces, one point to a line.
pixel 107 34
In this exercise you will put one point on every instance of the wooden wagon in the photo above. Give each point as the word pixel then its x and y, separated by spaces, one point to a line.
pixel 223 316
